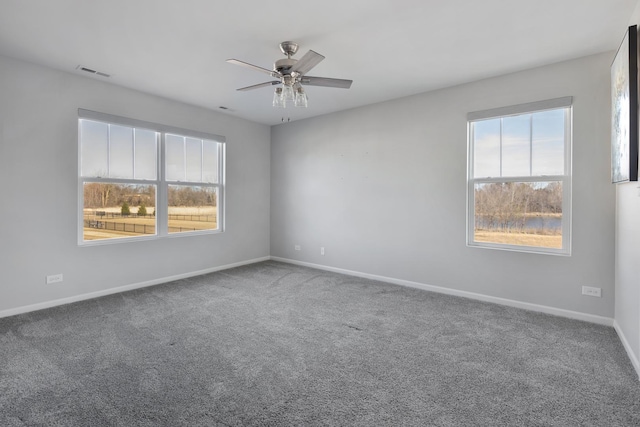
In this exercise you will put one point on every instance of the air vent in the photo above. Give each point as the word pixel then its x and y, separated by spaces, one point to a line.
pixel 90 71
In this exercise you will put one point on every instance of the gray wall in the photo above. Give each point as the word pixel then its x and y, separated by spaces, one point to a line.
pixel 627 271
pixel 38 172
pixel 383 189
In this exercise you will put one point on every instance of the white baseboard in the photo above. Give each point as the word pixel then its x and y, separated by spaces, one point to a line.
pixel 82 297
pixel 448 291
pixel 627 347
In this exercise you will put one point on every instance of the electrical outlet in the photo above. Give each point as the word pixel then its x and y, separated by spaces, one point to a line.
pixel 322 250
pixel 592 292
pixel 54 278
pixel 297 247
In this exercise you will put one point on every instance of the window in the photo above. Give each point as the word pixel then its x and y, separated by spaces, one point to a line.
pixel 519 177
pixel 142 180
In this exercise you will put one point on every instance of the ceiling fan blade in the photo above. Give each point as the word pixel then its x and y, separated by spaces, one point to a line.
pixel 325 81
pixel 265 84
pixel 255 67
pixel 307 62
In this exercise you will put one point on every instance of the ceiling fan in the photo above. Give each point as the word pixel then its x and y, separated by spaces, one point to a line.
pixel 291 74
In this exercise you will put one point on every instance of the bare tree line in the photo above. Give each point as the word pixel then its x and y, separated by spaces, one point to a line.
pixel 506 206
pixel 191 196
pixel 103 195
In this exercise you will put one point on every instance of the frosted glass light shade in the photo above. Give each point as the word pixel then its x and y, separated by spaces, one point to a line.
pixel 278 99
pixel 301 98
pixel 287 93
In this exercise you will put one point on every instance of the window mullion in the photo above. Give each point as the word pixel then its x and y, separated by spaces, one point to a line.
pixel 162 210
pixel 202 160
pixel 184 158
pixel 531 144
pixel 539 178
pixel 133 154
pixel 501 146
pixel 567 214
pixel 108 150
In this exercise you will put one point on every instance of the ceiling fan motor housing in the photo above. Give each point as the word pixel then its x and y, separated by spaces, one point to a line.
pixel 284 65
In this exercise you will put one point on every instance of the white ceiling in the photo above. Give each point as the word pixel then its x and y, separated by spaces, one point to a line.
pixel 389 48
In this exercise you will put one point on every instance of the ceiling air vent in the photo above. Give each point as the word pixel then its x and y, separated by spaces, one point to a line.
pixel 90 71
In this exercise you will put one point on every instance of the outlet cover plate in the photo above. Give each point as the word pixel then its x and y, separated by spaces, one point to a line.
pixel 591 291
pixel 54 278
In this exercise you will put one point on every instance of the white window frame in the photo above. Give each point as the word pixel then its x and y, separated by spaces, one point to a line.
pixel 565 103
pixel 162 185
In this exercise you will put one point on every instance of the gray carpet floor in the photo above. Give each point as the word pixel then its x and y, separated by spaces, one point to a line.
pixel 275 344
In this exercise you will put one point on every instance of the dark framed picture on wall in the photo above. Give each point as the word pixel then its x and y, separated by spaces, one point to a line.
pixel 624 110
